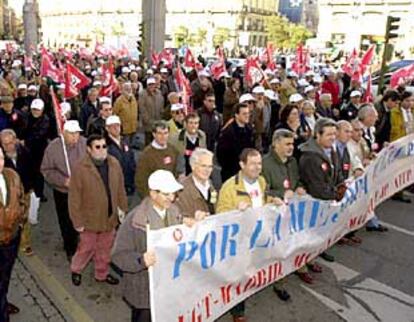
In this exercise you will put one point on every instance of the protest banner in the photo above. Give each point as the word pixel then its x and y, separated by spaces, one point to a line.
pixel 203 271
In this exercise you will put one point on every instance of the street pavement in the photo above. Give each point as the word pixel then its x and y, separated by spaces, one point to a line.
pixel 370 282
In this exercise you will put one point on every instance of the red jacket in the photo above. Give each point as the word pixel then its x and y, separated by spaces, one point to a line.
pixel 333 89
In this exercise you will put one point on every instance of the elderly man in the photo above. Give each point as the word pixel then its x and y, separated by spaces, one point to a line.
pixel 55 171
pixel 130 251
pixel 198 197
pixel 188 139
pixel 350 110
pixel 12 219
pixel 368 116
pixel 158 155
pixel 96 199
pixel 22 101
pixel 126 107
pixel 17 158
pixel 324 108
pixel 119 147
pixel 151 109
pixel 96 125
pixel 244 190
pixel 288 88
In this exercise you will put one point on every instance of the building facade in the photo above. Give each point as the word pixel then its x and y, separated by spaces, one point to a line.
pixel 114 22
pixel 356 24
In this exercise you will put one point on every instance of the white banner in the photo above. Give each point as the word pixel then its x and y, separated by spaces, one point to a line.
pixel 204 271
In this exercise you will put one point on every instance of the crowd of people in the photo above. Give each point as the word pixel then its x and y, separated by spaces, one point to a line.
pixel 289 135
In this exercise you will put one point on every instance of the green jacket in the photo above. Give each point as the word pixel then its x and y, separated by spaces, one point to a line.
pixel 280 176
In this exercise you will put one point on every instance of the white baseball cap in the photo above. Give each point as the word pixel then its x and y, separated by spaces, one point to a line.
pixel 132 67
pixel 105 99
pixel 275 81
pixel 113 119
pixel 355 94
pixel 97 83
pixel 295 98
pixel 176 107
pixel 125 69
pixel 246 97
pixel 22 86
pixel 61 86
pixel 66 108
pixel 270 94
pixel 32 88
pixel 72 126
pixel 310 73
pixel 292 74
pixel 303 82
pixel 258 90
pixel 150 72
pixel 317 79
pixel 37 104
pixel 164 70
pixel 309 88
pixel 163 181
pixel 204 73
pixel 151 80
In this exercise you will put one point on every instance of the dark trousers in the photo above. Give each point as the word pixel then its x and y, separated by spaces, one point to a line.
pixel 39 184
pixel 141 315
pixel 8 254
pixel 69 234
pixel 238 310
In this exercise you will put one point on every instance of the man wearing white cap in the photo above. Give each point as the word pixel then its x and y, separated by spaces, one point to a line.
pixel 96 200
pixel 124 77
pixel 130 253
pixel 310 93
pixel 126 107
pixel 36 140
pixel 151 107
pixel 349 111
pixel 176 122
pixel 21 102
pixel 119 147
pixel 55 171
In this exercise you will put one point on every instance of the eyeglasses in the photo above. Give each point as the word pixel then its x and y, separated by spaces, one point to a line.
pixel 107 109
pixel 211 101
pixel 98 147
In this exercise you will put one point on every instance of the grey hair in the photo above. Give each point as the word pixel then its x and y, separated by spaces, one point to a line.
pixel 282 134
pixel 342 123
pixel 325 95
pixel 364 110
pixel 198 153
pixel 8 132
pixel 307 102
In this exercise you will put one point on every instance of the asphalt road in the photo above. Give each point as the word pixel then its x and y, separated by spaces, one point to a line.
pixel 370 282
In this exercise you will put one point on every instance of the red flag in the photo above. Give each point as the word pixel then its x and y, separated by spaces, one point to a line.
pixel 85 53
pixel 122 52
pixel 254 74
pixel 100 50
pixel 351 64
pixel 155 58
pixel 185 87
pixel 301 64
pixel 10 48
pixel 367 59
pixel 269 56
pixel 60 118
pixel 75 81
pixel 189 60
pixel 368 97
pixel 110 85
pixel 66 53
pixel 218 68
pixel 48 69
pixel 168 56
pixel 402 76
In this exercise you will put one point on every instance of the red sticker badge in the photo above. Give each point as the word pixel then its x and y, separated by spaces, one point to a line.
pixel 325 166
pixel 14 117
pixel 167 160
pixel 347 166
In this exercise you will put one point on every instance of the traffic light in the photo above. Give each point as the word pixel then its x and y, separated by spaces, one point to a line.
pixel 392 24
pixel 140 42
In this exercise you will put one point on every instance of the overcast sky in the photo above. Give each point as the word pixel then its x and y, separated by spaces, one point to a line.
pixel 17 5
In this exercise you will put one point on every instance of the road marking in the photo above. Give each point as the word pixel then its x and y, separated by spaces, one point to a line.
pixel 65 301
pixel 399 229
pixel 367 300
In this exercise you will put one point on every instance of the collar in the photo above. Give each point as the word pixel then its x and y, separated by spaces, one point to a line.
pixel 155 145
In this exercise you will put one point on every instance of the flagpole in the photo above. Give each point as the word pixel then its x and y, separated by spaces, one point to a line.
pixel 58 125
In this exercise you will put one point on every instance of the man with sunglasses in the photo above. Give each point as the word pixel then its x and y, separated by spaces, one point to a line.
pixel 96 198
pixel 210 120
pixel 177 118
pixel 97 125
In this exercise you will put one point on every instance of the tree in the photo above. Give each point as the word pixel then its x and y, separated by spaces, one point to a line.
pixel 220 36
pixel 181 36
pixel 283 33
